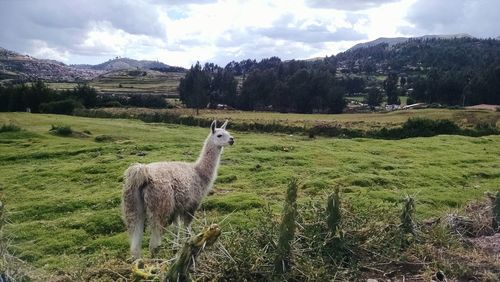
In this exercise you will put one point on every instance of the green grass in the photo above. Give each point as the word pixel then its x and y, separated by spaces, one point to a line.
pixel 63 193
pixel 361 121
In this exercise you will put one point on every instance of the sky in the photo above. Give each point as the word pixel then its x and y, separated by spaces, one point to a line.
pixel 181 32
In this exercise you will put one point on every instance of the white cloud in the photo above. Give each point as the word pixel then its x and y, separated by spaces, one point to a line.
pixel 476 17
pixel 43 50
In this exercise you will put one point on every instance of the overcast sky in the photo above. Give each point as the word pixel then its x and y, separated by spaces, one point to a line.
pixel 180 33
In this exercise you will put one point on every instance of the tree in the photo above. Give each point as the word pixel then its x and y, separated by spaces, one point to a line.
pixel 391 90
pixel 300 90
pixel 222 87
pixel 86 94
pixel 374 97
pixel 334 100
pixel 193 88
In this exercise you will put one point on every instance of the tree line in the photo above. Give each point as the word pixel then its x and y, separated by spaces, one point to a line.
pixel 37 97
pixel 271 84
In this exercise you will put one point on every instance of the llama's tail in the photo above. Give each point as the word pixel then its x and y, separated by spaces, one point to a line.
pixel 136 178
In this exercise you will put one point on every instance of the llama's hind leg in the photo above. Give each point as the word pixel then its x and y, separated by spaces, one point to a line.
pixel 155 240
pixel 159 204
pixel 136 238
pixel 133 210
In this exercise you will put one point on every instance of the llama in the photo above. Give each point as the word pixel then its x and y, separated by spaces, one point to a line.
pixel 170 192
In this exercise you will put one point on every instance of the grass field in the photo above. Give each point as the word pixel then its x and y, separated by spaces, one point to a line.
pixel 62 194
pixel 362 121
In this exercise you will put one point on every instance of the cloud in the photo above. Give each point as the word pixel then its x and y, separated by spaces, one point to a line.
pixel 70 26
pixel 299 30
pixel 349 5
pixel 476 17
pixel 181 32
pixel 184 2
pixel 311 34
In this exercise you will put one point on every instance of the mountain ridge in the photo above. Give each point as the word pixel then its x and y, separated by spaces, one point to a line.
pixel 14 65
pixel 396 40
pixel 119 63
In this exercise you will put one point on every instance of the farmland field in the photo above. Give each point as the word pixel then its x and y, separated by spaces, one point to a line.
pixel 362 121
pixel 62 193
pixel 130 82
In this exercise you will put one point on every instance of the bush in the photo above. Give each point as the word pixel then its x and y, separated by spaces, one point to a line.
pixel 148 101
pixel 9 128
pixel 419 127
pixel 63 107
pixel 112 104
pixel 410 101
pixel 61 130
pixel 104 138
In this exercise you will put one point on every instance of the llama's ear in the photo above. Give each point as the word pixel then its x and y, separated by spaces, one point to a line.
pixel 224 125
pixel 213 126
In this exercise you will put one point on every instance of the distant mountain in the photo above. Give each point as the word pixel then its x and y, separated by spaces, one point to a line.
pixel 124 63
pixel 396 40
pixel 26 68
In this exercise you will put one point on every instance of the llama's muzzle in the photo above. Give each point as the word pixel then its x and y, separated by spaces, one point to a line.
pixel 231 141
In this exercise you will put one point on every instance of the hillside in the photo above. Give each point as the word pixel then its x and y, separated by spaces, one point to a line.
pixel 26 68
pixel 17 67
pixel 391 41
pixel 417 55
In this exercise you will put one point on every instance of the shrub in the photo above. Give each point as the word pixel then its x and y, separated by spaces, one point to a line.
pixel 104 138
pixel 64 107
pixel 112 104
pixel 9 128
pixel 419 127
pixel 61 130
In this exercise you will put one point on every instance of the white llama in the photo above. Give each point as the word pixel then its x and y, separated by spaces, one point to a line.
pixel 169 192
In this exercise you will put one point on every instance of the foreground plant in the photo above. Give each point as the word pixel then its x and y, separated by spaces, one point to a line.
pixel 287 229
pixel 157 270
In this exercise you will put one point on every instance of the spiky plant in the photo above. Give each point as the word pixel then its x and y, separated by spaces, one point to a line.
pixel 407 225
pixel 287 229
pixel 334 240
pixel 333 214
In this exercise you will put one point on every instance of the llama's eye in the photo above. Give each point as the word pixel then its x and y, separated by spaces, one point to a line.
pixel 220 135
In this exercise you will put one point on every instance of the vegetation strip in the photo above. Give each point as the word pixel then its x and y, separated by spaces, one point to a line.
pixel 413 127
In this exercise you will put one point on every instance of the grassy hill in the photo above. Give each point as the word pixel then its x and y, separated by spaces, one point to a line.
pixel 62 193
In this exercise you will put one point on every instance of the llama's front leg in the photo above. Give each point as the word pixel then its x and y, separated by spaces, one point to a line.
pixel 189 230
pixel 187 219
pixel 155 240
pixel 177 234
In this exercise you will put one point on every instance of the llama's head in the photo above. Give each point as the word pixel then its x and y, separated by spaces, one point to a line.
pixel 219 136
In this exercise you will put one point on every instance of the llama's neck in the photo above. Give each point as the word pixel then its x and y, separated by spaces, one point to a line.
pixel 208 162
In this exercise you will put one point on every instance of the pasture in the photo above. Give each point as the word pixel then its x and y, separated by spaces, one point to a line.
pixel 62 193
pixel 358 121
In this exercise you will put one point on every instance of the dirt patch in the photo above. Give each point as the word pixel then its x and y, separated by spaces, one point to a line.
pixel 484 107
